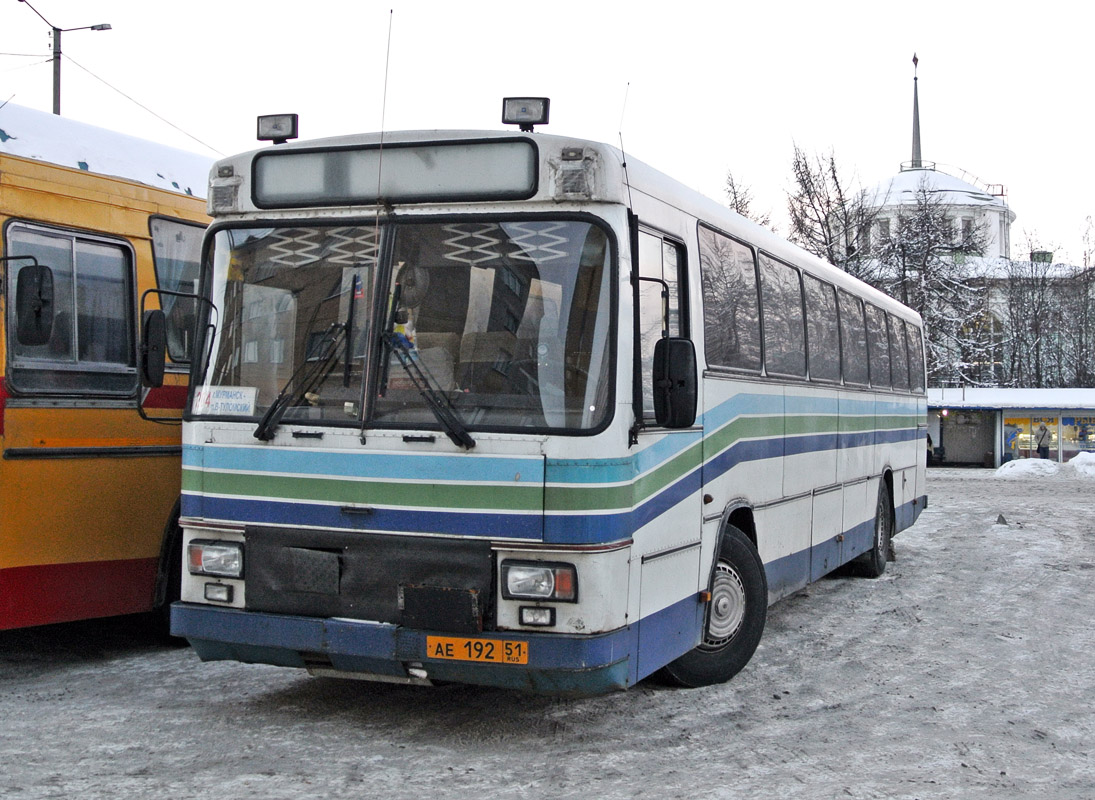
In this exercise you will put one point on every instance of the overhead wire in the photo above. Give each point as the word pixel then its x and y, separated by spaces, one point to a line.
pixel 25 66
pixel 142 105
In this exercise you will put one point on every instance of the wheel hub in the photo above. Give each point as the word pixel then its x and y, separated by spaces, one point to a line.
pixel 727 606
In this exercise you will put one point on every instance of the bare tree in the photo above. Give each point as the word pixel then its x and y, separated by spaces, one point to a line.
pixel 1049 314
pixel 829 217
pixel 1078 321
pixel 1089 242
pixel 740 199
pixel 1029 306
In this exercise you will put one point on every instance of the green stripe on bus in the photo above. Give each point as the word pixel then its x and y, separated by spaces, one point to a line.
pixel 599 497
pixel 415 495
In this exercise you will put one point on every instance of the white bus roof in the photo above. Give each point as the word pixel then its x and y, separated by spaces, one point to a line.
pixel 640 177
pixel 35 134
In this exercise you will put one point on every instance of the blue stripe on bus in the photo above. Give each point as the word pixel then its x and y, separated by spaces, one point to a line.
pixel 617 526
pixel 810 443
pixel 740 452
pixel 276 512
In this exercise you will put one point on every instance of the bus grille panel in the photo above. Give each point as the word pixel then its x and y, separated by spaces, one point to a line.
pixel 426 583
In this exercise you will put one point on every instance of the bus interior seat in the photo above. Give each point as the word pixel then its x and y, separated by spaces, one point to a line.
pixel 437 352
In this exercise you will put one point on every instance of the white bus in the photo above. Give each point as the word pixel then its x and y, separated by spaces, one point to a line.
pixel 508 409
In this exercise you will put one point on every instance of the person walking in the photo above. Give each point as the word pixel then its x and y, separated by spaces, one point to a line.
pixel 1041 441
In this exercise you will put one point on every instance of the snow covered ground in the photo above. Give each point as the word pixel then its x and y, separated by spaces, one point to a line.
pixel 967 671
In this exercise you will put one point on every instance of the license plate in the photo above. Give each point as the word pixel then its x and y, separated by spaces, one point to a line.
pixel 492 651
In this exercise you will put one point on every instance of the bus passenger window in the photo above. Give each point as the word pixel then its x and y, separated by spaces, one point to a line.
pixel 662 260
pixel 878 347
pixel 916 359
pixel 731 311
pixel 900 353
pixel 91 347
pixel 102 304
pixel 781 305
pixel 823 337
pixel 853 338
pixel 176 253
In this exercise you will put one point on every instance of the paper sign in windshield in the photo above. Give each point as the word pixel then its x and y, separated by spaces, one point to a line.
pixel 226 401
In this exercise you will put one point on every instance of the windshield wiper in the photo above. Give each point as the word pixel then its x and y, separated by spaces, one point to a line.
pixel 437 400
pixel 304 377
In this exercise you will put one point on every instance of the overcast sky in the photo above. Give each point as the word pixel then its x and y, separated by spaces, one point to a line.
pixel 695 88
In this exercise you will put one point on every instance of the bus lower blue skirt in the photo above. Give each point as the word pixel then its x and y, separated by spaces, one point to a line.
pixel 557 664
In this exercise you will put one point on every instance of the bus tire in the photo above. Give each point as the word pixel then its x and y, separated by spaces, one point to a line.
pixel 169 579
pixel 872 564
pixel 735 616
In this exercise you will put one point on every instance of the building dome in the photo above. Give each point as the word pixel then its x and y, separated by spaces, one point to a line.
pixel 968 204
pixel 948 190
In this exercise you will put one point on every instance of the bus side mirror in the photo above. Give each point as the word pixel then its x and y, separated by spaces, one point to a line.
pixel 34 304
pixel 153 347
pixel 675 383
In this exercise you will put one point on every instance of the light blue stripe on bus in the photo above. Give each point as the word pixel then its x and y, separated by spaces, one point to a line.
pixel 363 464
pixel 827 404
pixel 622 470
pixel 740 405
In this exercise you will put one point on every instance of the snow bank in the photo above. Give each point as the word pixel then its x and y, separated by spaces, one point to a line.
pixel 1028 468
pixel 1083 464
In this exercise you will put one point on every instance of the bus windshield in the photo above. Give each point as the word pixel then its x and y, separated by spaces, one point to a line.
pixel 503 324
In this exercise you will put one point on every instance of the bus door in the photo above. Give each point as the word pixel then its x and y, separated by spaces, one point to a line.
pixel 665 475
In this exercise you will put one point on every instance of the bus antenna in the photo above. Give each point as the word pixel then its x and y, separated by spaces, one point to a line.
pixel 623 152
pixel 384 101
pixel 379 180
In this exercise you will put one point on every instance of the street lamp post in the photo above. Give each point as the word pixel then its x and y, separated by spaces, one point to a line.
pixel 57 57
pixel 57 52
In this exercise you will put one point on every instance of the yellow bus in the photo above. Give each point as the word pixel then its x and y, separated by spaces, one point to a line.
pixel 89 463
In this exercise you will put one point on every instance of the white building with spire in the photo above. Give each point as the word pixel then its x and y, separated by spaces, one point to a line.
pixel 969 202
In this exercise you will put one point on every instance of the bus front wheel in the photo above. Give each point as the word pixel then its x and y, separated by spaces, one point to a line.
pixel 735 616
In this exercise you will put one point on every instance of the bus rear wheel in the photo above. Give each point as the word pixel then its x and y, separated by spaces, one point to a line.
pixel 872 564
pixel 735 616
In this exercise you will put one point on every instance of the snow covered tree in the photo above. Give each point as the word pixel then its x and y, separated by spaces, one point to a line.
pixel 924 264
pixel 829 217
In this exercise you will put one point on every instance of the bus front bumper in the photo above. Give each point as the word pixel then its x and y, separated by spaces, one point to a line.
pixel 556 664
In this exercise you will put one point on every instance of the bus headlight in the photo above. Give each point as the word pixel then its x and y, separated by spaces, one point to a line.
pixel 221 559
pixel 539 580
